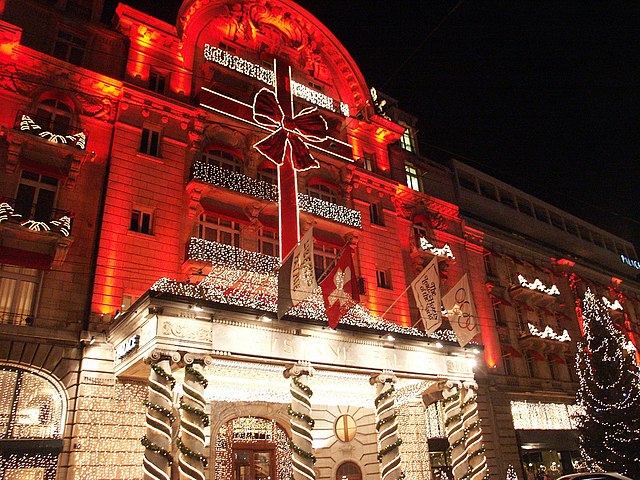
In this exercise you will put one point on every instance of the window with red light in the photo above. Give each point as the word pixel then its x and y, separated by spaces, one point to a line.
pixel 383 279
pixel 70 47
pixel 268 242
pixel 150 142
pixel 36 196
pixel 322 192
pixel 55 115
pixel 141 222
pixel 222 159
pixel 221 230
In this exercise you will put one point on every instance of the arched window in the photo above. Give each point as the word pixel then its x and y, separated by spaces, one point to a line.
pixel 221 230
pixel 322 192
pixel 348 471
pixel 222 159
pixel 54 115
pixel 32 410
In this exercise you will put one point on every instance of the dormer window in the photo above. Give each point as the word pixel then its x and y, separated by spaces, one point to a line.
pixel 70 47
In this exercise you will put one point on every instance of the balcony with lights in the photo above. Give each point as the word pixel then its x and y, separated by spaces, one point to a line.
pixel 210 182
pixel 59 150
pixel 546 340
pixel 34 239
pixel 423 249
pixel 535 291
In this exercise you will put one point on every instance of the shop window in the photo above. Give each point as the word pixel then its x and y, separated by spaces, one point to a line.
pixel 54 115
pixel 157 82
pixel 18 292
pixel 140 222
pixel 369 161
pixel 268 242
pixel 322 192
pixel 413 179
pixel 69 47
pixel 36 196
pixel 345 428
pixel 375 214
pixel 348 471
pixel 222 159
pixel 150 142
pixel 407 141
pixel 323 257
pixel 216 229
pixel 383 279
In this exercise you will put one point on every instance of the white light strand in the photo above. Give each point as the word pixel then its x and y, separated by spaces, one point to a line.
pixel 241 183
pixel 438 252
pixel 61 225
pixel 28 125
pixel 549 333
pixel 264 75
pixel 612 306
pixel 538 285
pixel 543 416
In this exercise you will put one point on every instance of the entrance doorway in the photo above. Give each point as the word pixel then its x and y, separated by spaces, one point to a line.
pixel 252 464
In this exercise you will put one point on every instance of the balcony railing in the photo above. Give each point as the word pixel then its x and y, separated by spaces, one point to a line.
pixel 12 318
pixel 52 131
pixel 50 220
pixel 228 256
pixel 241 183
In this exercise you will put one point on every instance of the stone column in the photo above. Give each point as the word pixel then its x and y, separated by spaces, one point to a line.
pixel 386 426
pixel 451 401
pixel 159 419
pixel 473 432
pixel 193 419
pixel 302 458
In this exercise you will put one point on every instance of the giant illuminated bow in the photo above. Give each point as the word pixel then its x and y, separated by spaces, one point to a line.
pixel 307 126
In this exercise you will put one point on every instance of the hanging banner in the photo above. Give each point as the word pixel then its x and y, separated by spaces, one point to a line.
pixel 426 291
pixel 296 277
pixel 461 311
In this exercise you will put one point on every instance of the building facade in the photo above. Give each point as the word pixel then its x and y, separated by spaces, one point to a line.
pixel 141 232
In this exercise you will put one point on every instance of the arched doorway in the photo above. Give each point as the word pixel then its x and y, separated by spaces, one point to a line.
pixel 250 448
pixel 32 412
pixel 349 471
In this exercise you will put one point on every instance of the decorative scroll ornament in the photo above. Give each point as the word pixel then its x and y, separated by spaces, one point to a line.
pixel 307 126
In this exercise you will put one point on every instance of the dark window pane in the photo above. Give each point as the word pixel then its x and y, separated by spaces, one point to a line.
pixel 44 205
pixel 135 220
pixel 24 200
pixel 146 223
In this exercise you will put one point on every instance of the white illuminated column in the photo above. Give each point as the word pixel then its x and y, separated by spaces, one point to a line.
pixel 473 432
pixel 387 427
pixel 159 418
pixel 453 426
pixel 302 457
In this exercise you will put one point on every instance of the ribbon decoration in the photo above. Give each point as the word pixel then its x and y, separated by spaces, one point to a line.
pixel 307 126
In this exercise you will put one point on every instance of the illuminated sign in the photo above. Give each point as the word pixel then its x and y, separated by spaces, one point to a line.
pixel 127 346
pixel 629 261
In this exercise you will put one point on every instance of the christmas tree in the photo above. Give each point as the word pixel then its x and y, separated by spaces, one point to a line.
pixel 609 394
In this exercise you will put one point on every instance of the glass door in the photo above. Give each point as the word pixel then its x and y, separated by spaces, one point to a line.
pixel 252 464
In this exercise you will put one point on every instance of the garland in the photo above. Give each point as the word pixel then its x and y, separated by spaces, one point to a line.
pixel 388 449
pixel 474 425
pixel 479 451
pixel 186 451
pixel 196 411
pixel 161 410
pixel 197 375
pixel 302 386
pixel 384 395
pixel 302 416
pixel 146 443
pixel 161 373
pixel 385 420
pixel 452 419
pixel 452 398
pixel 455 444
pixel 301 452
pixel 465 404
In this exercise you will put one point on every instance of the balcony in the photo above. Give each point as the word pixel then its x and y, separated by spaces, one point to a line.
pixel 534 290
pixel 58 132
pixel 39 240
pixel 546 340
pixel 221 182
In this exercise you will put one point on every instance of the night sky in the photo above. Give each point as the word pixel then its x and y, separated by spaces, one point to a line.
pixel 544 95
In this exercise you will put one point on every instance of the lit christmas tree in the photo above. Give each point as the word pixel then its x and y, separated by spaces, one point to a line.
pixel 609 394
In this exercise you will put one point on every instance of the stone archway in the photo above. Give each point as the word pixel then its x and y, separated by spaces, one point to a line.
pixel 252 447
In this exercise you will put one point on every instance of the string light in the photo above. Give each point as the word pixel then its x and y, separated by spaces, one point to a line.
pixel 438 252
pixel 543 416
pixel 612 306
pixel 27 124
pixel 549 333
pixel 412 428
pixel 238 182
pixel 538 285
pixel 61 225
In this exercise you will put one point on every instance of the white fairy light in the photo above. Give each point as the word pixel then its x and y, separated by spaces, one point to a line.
pixel 438 252
pixel 549 333
pixel 543 416
pixel 612 306
pixel 538 285
pixel 28 125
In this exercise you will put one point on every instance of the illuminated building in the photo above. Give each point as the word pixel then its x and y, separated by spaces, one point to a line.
pixel 150 312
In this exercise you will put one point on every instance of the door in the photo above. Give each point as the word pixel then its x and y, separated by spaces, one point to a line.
pixel 253 464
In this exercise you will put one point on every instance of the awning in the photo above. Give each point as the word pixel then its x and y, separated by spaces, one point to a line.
pixel 536 355
pixel 499 299
pixel 560 440
pixel 509 351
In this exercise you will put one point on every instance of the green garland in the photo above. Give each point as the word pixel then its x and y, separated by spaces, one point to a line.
pixel 301 452
pixel 302 416
pixel 302 386
pixel 468 402
pixel 197 375
pixel 146 443
pixel 452 398
pixel 385 420
pixel 161 410
pixel 388 449
pixel 384 395
pixel 458 442
pixel 196 411
pixel 452 419
pixel 186 451
pixel 161 373
pixel 477 452
pixel 473 426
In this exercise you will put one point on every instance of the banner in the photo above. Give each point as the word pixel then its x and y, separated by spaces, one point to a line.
pixel 340 289
pixel 296 277
pixel 461 311
pixel 426 291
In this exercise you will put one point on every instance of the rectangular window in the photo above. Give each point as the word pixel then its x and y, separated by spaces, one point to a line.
pixel 525 207
pixel 150 142
pixel 467 181
pixel 553 369
pixel 323 256
pixel 69 47
pixel 413 180
pixel 507 198
pixel 487 190
pixel 157 82
pixel 383 279
pixel 522 320
pixel 530 362
pixel 221 230
pixel 140 222
pixel 541 213
pixel 407 141
pixel 268 242
pixel 369 161
pixel 375 214
pixel 488 266
pixel 497 314
pixel 36 196
pixel 508 368
pixel 18 290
